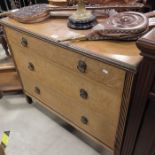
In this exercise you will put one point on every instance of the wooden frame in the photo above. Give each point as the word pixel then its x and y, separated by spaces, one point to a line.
pixel 140 102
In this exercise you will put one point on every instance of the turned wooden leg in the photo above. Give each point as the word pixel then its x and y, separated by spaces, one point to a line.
pixel 1 94
pixel 29 99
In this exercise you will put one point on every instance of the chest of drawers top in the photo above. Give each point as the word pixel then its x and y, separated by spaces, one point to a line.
pixel 124 55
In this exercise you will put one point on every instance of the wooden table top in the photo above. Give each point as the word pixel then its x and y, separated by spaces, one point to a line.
pixel 122 54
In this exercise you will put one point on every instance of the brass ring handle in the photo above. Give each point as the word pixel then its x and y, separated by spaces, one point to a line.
pixel 31 66
pixel 83 94
pixel 84 120
pixel 82 66
pixel 37 90
pixel 24 42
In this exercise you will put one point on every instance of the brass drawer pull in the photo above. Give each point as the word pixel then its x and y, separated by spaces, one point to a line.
pixel 83 94
pixel 82 66
pixel 84 120
pixel 31 66
pixel 24 42
pixel 37 90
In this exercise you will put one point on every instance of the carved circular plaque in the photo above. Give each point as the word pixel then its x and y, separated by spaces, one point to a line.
pixel 121 26
pixel 127 21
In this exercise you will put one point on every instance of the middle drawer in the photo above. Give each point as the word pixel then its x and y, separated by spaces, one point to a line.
pixel 89 93
pixel 83 96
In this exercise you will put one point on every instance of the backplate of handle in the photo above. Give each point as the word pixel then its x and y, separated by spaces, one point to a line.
pixel 31 66
pixel 37 90
pixel 84 120
pixel 83 94
pixel 24 42
pixel 82 66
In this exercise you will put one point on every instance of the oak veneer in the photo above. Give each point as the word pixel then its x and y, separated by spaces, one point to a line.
pixel 50 77
pixel 9 80
pixel 93 96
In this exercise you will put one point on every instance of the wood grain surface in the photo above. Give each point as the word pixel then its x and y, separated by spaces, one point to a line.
pixel 9 82
pixel 59 83
pixel 121 54
pixel 96 70
pixel 7 64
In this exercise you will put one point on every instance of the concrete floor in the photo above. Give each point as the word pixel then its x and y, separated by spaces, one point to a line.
pixel 36 131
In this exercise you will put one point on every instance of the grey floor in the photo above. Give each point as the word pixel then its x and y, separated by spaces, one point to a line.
pixel 36 131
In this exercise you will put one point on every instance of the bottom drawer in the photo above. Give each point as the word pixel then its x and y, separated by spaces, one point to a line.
pixel 94 124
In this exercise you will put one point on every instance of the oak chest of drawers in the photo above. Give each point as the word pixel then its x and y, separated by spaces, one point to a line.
pixel 86 83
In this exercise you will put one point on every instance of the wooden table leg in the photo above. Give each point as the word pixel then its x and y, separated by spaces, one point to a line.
pixel 1 94
pixel 28 99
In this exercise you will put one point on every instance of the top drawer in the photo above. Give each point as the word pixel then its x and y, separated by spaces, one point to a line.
pixel 84 66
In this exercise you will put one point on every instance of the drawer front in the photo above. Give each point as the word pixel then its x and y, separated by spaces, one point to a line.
pixel 91 103
pixel 86 67
pixel 98 126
